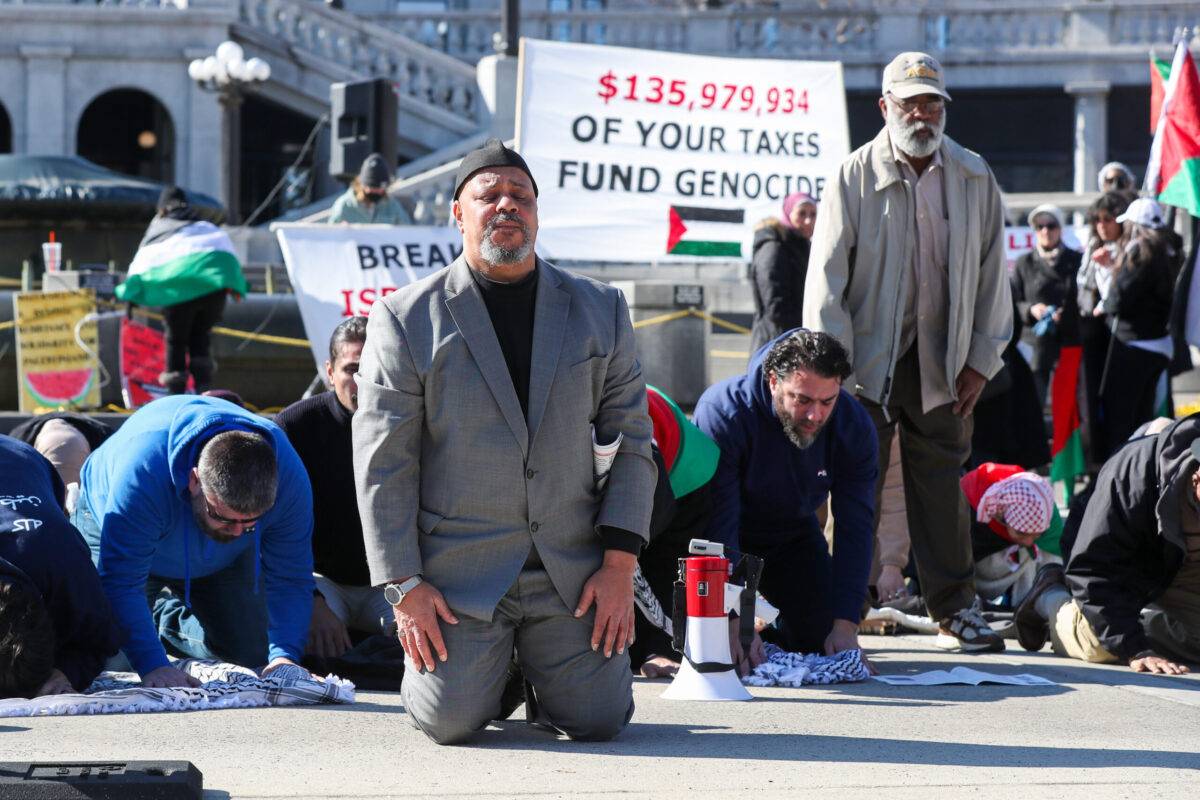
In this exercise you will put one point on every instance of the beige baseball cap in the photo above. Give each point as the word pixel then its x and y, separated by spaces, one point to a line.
pixel 912 74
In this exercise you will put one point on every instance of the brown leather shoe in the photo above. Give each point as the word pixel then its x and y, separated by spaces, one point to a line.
pixel 1032 628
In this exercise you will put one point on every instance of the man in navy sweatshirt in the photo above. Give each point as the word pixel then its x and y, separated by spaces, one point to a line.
pixel 790 438
pixel 199 517
pixel 56 627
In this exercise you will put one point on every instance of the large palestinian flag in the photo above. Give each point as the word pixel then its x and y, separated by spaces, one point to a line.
pixel 697 231
pixel 1173 175
pixel 1067 460
pixel 195 260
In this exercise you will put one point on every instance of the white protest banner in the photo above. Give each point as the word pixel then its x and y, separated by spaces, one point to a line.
pixel 642 155
pixel 339 271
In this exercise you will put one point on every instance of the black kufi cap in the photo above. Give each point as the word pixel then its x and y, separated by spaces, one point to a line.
pixel 492 154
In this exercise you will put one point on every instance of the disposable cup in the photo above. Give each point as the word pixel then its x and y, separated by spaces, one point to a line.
pixel 52 256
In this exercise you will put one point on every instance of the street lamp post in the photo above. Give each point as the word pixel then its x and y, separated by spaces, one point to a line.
pixel 229 74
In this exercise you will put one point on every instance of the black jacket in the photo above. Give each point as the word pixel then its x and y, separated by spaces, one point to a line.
pixel 777 274
pixel 1035 280
pixel 1129 544
pixel 40 547
pixel 1140 298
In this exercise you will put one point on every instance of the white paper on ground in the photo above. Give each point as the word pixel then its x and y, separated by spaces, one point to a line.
pixel 962 675
pixel 602 457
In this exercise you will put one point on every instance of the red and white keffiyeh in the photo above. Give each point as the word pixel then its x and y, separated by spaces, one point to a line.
pixel 1025 501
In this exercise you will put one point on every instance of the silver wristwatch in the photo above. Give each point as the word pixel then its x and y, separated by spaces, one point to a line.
pixel 395 593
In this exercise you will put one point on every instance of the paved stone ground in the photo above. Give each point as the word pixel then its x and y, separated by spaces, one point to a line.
pixel 1104 732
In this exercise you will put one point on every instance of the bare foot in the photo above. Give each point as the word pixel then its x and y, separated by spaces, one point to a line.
pixel 659 667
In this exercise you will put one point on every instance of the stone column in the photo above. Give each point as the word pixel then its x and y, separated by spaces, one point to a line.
pixel 1091 131
pixel 46 100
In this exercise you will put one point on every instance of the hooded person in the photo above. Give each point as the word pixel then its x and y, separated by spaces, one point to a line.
pixel 1134 546
pixel 791 438
pixel 56 626
pixel 199 518
pixel 186 266
pixel 367 202
pixel 778 268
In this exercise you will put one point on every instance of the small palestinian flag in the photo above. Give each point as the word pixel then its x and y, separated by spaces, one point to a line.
pixel 696 231
pixel 1173 175
pixel 195 260
pixel 1066 461
pixel 1160 73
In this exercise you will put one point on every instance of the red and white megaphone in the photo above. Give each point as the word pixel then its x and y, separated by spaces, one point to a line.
pixel 707 671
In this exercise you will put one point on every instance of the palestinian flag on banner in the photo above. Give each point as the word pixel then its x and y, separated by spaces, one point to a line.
pixel 1067 461
pixel 695 231
pixel 1173 175
pixel 1160 71
pixel 192 260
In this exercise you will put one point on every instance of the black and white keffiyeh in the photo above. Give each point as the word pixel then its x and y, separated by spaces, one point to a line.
pixel 223 686
pixel 799 669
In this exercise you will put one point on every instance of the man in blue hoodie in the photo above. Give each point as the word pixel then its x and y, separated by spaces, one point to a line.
pixel 56 628
pixel 790 438
pixel 187 508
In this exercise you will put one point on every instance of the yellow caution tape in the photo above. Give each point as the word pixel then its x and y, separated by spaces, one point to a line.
pixel 262 337
pixel 690 312
pixel 267 338
pixel 289 341
pixel 659 320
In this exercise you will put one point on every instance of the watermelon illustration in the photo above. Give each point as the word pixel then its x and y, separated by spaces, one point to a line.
pixel 61 387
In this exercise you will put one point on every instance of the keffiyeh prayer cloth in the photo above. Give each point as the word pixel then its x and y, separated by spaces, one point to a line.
pixel 1024 501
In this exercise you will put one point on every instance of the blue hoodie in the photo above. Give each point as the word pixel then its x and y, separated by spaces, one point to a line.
pixel 38 547
pixel 766 490
pixel 135 486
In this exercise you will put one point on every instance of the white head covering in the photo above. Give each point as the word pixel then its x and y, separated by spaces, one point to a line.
pixel 1047 208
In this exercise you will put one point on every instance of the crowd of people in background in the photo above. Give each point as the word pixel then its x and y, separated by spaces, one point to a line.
pixel 444 490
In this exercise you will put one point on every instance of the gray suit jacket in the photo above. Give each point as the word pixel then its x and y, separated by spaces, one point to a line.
pixel 453 482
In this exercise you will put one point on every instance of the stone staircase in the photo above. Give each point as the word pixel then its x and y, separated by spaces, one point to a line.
pixel 311 46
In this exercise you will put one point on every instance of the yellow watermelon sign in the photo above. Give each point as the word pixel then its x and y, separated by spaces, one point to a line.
pixel 54 372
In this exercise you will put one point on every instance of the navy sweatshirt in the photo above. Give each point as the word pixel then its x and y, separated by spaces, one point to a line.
pixel 766 491
pixel 40 547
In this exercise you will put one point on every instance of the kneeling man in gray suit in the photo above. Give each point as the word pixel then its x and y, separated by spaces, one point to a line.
pixel 478 389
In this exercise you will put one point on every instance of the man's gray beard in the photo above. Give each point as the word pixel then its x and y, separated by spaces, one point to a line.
pixel 904 134
pixel 793 433
pixel 498 254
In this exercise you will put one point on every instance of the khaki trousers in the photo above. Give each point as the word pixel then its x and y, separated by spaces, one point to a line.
pixel 1172 624
pixel 934 448
pixel 1072 636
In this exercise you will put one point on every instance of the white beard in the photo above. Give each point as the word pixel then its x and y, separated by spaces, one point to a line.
pixel 905 134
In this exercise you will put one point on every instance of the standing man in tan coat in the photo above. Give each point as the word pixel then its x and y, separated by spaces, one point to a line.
pixel 907 270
